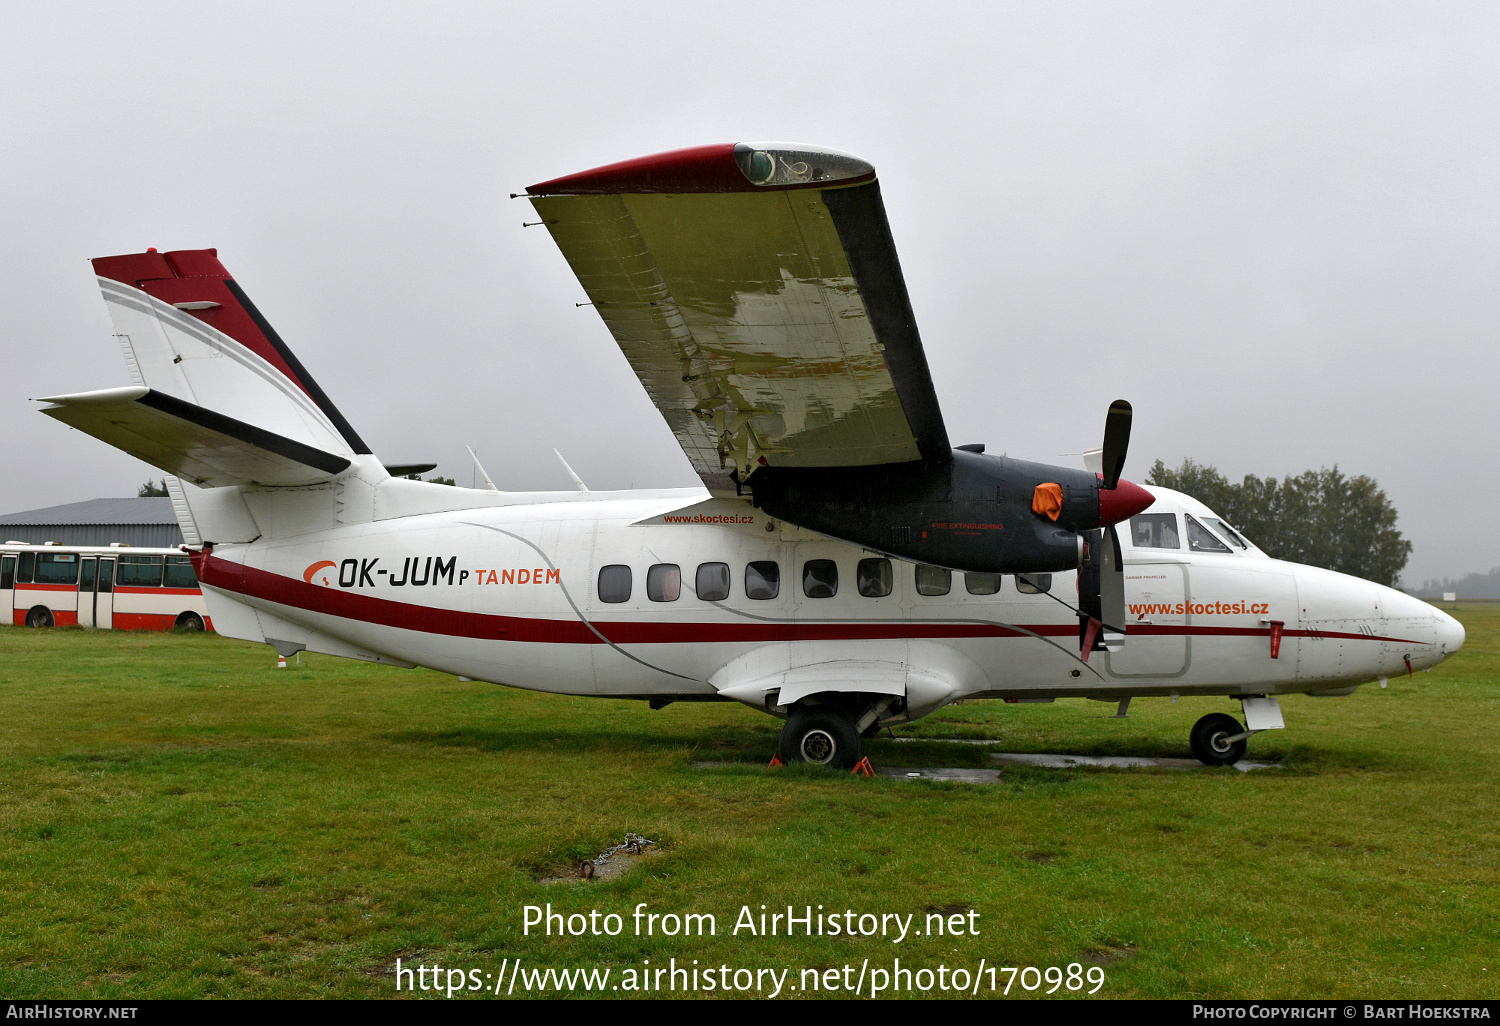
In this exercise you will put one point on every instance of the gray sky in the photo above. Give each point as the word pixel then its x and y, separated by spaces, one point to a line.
pixel 1273 228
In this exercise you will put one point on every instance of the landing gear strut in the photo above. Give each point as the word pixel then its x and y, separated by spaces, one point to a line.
pixel 1218 740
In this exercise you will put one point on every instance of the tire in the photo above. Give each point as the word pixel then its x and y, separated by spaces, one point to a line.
pixel 39 616
pixel 189 621
pixel 1209 744
pixel 821 736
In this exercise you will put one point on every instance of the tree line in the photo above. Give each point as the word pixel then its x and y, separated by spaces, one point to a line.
pixel 1319 517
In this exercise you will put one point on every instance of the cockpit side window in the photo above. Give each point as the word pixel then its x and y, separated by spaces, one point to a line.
pixel 1201 539
pixel 1235 538
pixel 1154 531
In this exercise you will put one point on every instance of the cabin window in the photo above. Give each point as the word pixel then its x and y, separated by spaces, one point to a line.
pixel 614 583
pixel 933 580
pixel 180 573
pixel 1201 539
pixel 140 571
pixel 57 568
pixel 874 577
pixel 762 579
pixel 1235 538
pixel 982 584
pixel 1154 531
pixel 1033 584
pixel 664 582
pixel 713 581
pixel 820 578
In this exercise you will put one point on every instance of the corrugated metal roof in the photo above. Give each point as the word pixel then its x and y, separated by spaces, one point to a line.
pixel 98 511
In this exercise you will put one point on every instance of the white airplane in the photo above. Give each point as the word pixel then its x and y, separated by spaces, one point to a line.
pixel 843 568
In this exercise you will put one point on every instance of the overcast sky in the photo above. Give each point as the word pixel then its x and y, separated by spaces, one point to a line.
pixel 1272 228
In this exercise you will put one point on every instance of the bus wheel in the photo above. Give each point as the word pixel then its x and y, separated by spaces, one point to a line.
pixel 39 616
pixel 189 621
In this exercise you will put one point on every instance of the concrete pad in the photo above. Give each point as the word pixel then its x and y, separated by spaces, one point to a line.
pixel 967 776
pixel 1117 761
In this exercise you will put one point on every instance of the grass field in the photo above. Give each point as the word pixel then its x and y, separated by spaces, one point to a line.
pixel 181 819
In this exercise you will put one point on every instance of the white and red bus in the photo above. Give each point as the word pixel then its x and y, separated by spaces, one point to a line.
pixel 100 586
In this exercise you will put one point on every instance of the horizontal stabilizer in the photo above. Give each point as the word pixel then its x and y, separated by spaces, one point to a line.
pixel 204 447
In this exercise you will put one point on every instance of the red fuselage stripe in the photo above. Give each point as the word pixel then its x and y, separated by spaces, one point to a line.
pixel 289 591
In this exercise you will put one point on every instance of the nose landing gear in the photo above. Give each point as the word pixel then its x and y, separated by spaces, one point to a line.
pixel 1218 740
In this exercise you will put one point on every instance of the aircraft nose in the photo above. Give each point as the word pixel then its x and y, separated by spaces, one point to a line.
pixel 1122 502
pixel 1450 634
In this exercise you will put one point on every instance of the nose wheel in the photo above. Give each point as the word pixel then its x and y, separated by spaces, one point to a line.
pixel 1218 740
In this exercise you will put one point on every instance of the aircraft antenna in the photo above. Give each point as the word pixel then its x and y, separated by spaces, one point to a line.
pixel 480 467
pixel 576 479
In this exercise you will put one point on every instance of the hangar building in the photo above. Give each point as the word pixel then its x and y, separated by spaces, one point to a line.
pixel 139 523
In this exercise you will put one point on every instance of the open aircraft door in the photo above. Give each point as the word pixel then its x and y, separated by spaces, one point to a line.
pixel 96 592
pixel 1156 612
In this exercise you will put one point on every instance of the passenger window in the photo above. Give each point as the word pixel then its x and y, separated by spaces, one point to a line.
pixel 57 568
pixel 107 575
pixel 664 582
pixel 1033 584
pixel 820 578
pixel 180 574
pixel 874 577
pixel 1235 538
pixel 7 572
pixel 86 579
pixel 23 568
pixel 762 579
pixel 614 583
pixel 982 584
pixel 1154 531
pixel 933 580
pixel 713 581
pixel 1201 539
pixel 140 571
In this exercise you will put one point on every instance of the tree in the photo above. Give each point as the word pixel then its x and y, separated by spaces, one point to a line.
pixel 1319 517
pixel 150 490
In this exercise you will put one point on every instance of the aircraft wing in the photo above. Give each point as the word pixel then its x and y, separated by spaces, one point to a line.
pixel 756 292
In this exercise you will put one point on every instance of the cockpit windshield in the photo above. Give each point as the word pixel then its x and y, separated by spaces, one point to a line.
pixel 1201 539
pixel 1235 538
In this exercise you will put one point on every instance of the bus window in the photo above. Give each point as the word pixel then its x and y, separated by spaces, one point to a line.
pixel 982 584
pixel 57 568
pixel 140 571
pixel 180 573
pixel 713 581
pixel 1154 531
pixel 1201 539
pixel 7 572
pixel 933 580
pixel 762 579
pixel 614 583
pixel 664 582
pixel 23 567
pixel 107 575
pixel 874 577
pixel 1033 584
pixel 820 578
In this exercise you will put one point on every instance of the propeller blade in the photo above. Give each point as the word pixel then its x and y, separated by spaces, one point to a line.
pixel 1116 441
pixel 1112 591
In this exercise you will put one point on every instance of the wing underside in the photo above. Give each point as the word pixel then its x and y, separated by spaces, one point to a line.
pixel 768 325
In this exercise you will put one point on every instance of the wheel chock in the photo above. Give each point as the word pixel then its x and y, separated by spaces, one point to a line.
pixel 775 761
pixel 863 767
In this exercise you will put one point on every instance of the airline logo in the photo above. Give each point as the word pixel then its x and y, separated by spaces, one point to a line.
pixel 418 572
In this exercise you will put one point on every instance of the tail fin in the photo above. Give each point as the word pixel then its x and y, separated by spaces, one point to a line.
pixel 212 377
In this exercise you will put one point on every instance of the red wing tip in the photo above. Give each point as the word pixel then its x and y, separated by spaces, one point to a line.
pixel 721 167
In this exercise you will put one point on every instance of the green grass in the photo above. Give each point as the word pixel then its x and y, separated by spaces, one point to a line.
pixel 181 819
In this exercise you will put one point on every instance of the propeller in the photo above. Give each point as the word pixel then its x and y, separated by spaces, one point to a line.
pixel 1116 441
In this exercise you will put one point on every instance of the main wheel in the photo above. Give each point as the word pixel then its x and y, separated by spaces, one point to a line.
pixel 189 621
pixel 1210 740
pixel 39 616
pixel 819 735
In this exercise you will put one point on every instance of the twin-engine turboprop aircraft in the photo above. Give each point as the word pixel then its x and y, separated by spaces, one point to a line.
pixel 844 567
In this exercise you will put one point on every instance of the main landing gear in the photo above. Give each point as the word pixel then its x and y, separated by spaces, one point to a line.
pixel 819 734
